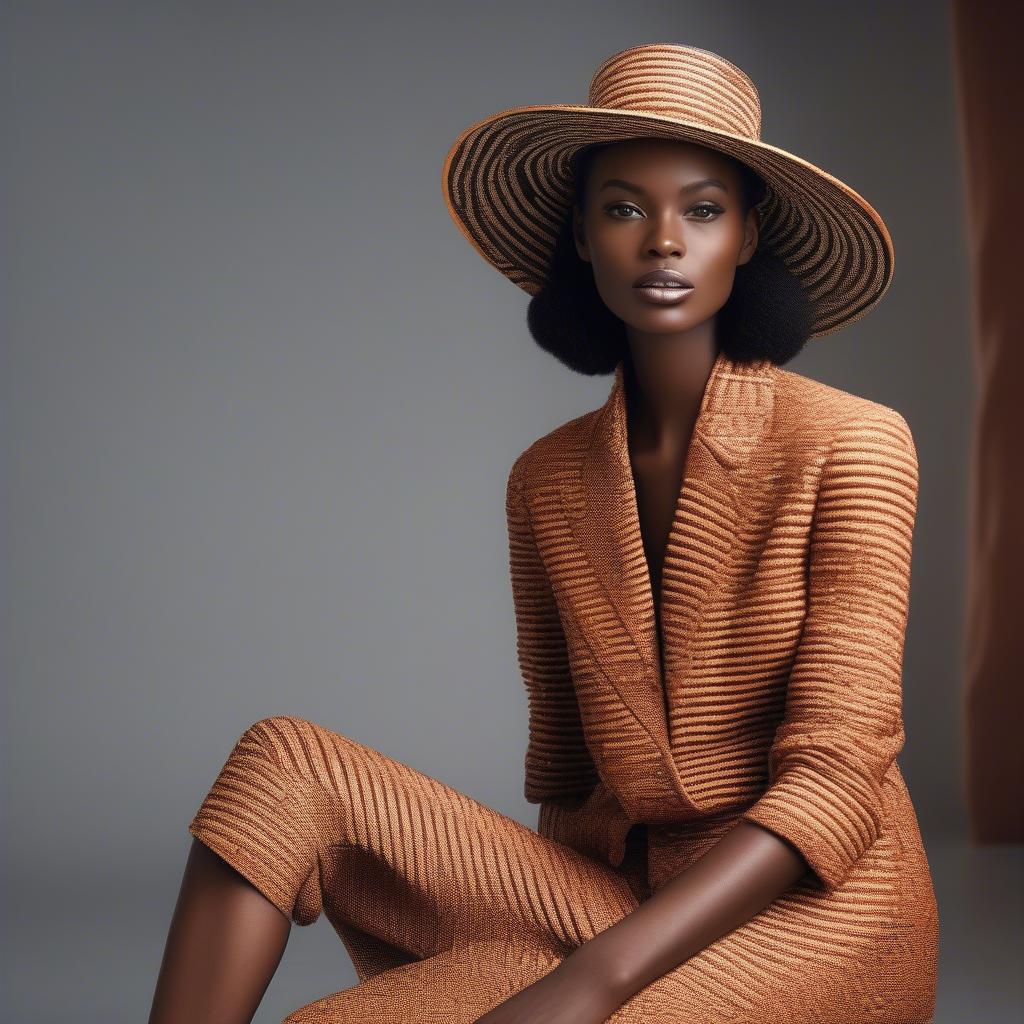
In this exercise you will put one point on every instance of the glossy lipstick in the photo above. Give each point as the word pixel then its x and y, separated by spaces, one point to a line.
pixel 663 287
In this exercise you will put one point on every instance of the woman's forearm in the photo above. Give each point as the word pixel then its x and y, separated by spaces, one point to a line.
pixel 737 878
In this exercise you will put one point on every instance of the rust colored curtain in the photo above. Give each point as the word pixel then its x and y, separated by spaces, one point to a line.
pixel 989 73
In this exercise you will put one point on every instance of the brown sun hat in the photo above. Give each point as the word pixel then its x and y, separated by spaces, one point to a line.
pixel 508 185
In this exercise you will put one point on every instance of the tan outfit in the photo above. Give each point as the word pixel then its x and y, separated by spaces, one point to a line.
pixel 777 699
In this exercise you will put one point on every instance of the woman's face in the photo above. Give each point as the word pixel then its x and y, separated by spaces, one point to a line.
pixel 656 204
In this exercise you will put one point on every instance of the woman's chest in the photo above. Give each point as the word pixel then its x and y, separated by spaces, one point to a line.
pixel 700 672
pixel 657 481
pixel 653 574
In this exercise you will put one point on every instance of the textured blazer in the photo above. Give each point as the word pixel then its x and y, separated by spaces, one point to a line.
pixel 784 600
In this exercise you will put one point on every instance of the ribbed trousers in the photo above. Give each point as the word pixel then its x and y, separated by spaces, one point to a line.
pixel 460 904
pixel 448 907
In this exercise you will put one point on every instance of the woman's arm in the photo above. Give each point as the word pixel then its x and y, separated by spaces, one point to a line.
pixel 737 878
pixel 841 732
pixel 558 763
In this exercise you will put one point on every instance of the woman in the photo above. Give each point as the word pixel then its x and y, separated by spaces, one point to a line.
pixel 711 577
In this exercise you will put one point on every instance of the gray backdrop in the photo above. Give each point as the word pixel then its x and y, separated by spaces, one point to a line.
pixel 260 399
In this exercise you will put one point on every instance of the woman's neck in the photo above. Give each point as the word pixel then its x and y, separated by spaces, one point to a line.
pixel 664 385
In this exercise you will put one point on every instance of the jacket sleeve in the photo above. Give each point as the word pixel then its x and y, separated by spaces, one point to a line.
pixel 843 726
pixel 558 763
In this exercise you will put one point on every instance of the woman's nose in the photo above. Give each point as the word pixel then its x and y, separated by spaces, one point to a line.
pixel 666 239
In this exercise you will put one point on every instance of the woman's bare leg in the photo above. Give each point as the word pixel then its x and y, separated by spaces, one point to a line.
pixel 223 946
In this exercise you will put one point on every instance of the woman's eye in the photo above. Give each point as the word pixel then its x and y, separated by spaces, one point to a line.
pixel 710 208
pixel 623 206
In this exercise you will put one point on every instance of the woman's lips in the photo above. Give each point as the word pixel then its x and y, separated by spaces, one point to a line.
pixel 662 295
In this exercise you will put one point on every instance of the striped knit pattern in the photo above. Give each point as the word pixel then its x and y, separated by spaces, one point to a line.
pixel 774 690
pixel 559 763
pixel 448 907
pixel 772 695
pixel 408 870
pixel 508 184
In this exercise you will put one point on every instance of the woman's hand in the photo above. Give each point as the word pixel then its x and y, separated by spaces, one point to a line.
pixel 573 993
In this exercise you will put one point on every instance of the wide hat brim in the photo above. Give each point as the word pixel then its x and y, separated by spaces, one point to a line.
pixel 507 183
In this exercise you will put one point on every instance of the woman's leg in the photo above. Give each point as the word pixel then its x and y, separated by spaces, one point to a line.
pixel 224 944
pixel 410 872
pixel 319 822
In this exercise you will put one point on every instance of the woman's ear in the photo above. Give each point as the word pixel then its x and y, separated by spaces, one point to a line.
pixel 579 234
pixel 751 234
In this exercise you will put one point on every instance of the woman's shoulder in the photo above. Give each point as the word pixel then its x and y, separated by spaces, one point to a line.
pixel 551 454
pixel 809 409
pixel 861 449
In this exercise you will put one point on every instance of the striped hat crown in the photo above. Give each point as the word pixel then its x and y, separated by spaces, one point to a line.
pixel 508 179
pixel 685 83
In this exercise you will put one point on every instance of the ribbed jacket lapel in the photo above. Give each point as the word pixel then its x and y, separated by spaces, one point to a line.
pixel 617 617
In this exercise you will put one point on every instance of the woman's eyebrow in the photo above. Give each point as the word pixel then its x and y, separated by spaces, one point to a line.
pixel 639 190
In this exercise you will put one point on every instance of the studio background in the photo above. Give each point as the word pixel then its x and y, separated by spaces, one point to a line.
pixel 260 399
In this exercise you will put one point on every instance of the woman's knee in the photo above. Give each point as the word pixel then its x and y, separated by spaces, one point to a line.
pixel 271 818
pixel 287 743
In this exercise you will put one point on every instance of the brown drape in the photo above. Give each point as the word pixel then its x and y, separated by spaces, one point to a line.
pixel 989 69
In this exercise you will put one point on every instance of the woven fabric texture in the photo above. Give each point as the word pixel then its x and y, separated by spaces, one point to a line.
pixel 774 696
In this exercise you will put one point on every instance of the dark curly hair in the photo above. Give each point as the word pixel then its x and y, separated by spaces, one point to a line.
pixel 767 315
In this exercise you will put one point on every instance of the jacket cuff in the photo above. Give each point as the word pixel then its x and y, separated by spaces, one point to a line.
pixel 830 829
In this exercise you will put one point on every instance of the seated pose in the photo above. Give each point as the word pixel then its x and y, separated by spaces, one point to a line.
pixel 710 576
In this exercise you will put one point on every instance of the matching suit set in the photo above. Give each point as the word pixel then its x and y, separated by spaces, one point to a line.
pixel 773 696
